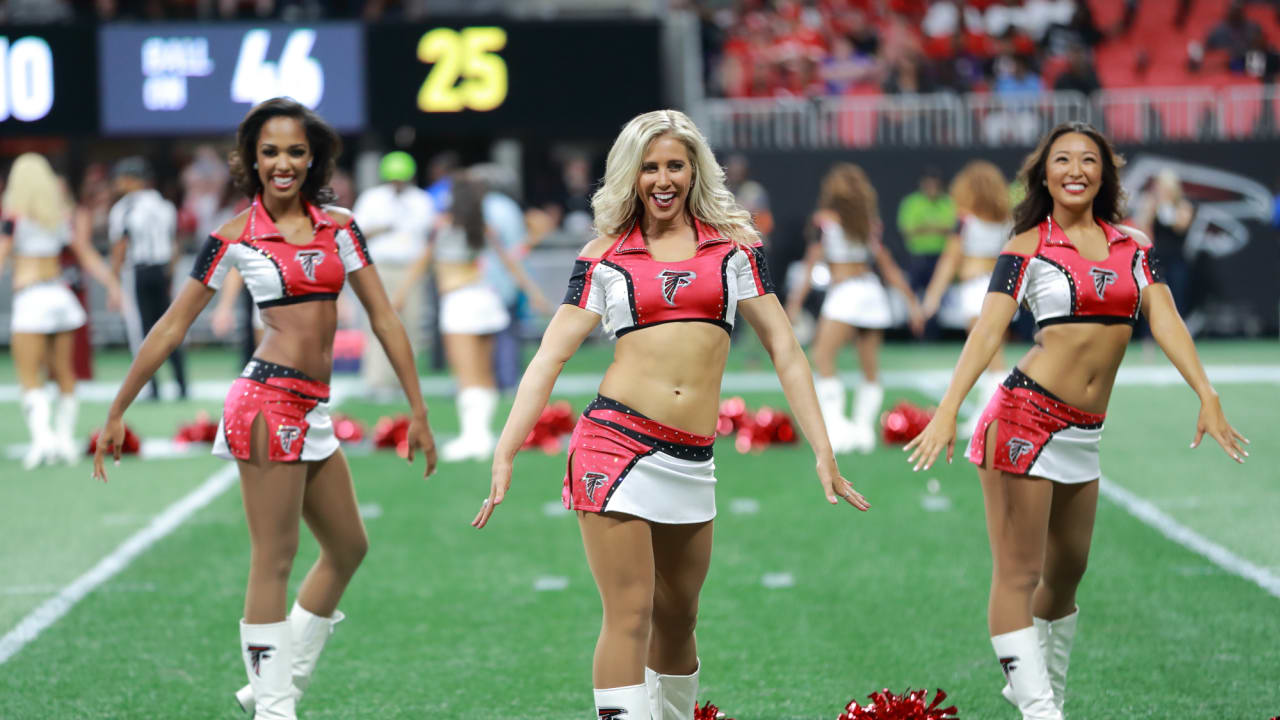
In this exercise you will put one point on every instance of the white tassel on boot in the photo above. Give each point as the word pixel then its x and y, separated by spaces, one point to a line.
pixel 65 428
pixel 476 406
pixel 867 401
pixel 1024 667
pixel 623 703
pixel 672 697
pixel 35 407
pixel 268 660
pixel 831 401
pixel 310 632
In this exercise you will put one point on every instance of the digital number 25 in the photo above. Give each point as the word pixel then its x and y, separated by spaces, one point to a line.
pixel 469 55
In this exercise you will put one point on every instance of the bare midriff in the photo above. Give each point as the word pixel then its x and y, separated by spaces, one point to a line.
pixel 452 276
pixel 1078 362
pixel 972 267
pixel 844 271
pixel 300 336
pixel 28 270
pixel 671 373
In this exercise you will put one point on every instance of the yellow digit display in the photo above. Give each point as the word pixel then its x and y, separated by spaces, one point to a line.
pixel 467 72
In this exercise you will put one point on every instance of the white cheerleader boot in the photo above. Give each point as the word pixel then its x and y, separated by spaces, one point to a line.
pixel 867 401
pixel 1062 635
pixel 1024 668
pixel 35 408
pixel 65 444
pixel 1042 636
pixel 676 695
pixel 310 632
pixel 831 401
pixel 475 414
pixel 268 660
pixel 623 703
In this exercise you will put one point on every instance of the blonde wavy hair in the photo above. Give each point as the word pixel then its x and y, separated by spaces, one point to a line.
pixel 35 192
pixel 847 192
pixel 617 204
pixel 980 190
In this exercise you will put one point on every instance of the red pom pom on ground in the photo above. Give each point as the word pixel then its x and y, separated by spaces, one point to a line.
pixel 556 420
pixel 201 430
pixel 905 421
pixel 708 712
pixel 910 705
pixel 763 428
pixel 131 445
pixel 350 430
pixel 392 433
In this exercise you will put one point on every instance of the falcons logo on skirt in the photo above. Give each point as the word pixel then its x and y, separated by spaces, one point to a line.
pixel 673 280
pixel 594 481
pixel 1017 448
pixel 258 653
pixel 287 434
pixel 309 260
pixel 1102 277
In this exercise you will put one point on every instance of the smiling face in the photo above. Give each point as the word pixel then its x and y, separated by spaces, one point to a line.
pixel 282 155
pixel 1073 171
pixel 666 174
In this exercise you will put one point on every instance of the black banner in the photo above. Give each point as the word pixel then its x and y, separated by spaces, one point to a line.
pixel 1234 241
pixel 47 80
pixel 544 79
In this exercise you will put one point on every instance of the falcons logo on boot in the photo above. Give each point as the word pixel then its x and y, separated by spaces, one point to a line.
pixel 287 434
pixel 309 260
pixel 1007 666
pixel 594 481
pixel 1017 448
pixel 258 653
pixel 673 280
pixel 612 713
pixel 1102 277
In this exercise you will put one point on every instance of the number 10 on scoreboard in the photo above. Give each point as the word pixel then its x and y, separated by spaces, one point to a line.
pixel 467 73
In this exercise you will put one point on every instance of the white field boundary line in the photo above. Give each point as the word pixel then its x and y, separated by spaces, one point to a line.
pixel 929 381
pixel 53 609
pixel 1149 514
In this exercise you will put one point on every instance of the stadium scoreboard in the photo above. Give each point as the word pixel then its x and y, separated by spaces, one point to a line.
pixel 47 83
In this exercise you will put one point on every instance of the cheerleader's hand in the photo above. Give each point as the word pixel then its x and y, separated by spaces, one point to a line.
pixel 114 299
pixel 420 437
pixel 497 491
pixel 223 321
pixel 938 434
pixel 834 484
pixel 1213 421
pixel 541 305
pixel 112 436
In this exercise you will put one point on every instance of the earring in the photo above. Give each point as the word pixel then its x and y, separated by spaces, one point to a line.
pixel 255 166
pixel 309 163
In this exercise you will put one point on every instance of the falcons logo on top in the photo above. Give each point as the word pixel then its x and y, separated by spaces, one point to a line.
pixel 1102 277
pixel 309 260
pixel 673 280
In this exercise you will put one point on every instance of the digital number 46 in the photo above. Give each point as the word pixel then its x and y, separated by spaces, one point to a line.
pixel 467 72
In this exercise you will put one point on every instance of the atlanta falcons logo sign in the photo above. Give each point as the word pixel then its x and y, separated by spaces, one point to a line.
pixel 1007 665
pixel 594 481
pixel 287 434
pixel 1102 277
pixel 258 653
pixel 1017 448
pixel 309 260
pixel 673 280
pixel 612 713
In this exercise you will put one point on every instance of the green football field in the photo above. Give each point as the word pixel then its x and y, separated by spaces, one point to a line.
pixel 122 600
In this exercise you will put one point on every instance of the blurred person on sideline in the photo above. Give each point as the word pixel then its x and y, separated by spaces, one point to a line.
pixel 471 311
pixel 295 252
pixel 39 219
pixel 396 217
pixel 857 307
pixel 1085 279
pixel 1166 215
pixel 749 193
pixel 503 215
pixel 675 263
pixel 143 230
pixel 926 218
pixel 981 198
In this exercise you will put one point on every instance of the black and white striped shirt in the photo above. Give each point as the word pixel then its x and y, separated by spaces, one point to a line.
pixel 148 223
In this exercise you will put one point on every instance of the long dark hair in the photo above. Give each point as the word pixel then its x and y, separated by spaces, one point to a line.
pixel 325 144
pixel 847 191
pixel 1109 203
pixel 467 209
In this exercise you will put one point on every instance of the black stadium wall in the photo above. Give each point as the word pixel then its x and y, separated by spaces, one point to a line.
pixel 1232 185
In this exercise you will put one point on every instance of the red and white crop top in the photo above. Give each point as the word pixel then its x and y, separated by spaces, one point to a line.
pixel 630 290
pixel 278 272
pixel 1059 286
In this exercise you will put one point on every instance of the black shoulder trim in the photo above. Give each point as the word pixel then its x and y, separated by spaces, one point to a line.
pixel 577 282
pixel 1007 276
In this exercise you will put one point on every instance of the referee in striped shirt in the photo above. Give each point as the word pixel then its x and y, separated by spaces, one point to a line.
pixel 142 228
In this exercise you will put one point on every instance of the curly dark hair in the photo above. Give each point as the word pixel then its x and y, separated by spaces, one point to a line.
pixel 1108 205
pixel 325 144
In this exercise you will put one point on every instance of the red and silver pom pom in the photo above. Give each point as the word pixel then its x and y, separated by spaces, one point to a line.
pixel 129 446
pixel 904 422
pixel 555 421
pixel 392 433
pixel 350 430
pixel 910 705
pixel 755 430
pixel 201 430
pixel 708 712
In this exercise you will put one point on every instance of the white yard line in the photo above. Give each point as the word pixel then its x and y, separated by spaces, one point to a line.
pixel 52 610
pixel 1148 513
